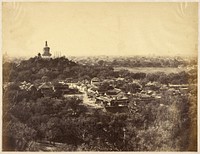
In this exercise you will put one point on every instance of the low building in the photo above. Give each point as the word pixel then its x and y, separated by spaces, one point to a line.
pixel 46 89
pixel 112 102
pixel 178 86
pixel 95 81
pixel 113 92
pixel 61 88
pixel 25 86
pixel 152 86
pixel 119 102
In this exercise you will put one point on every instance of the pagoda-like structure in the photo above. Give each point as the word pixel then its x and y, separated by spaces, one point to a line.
pixel 46 50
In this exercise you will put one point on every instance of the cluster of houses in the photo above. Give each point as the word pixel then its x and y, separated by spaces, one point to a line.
pixel 109 97
pixel 49 89
pixel 117 98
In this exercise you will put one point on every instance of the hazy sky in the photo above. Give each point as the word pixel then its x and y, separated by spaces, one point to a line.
pixel 100 28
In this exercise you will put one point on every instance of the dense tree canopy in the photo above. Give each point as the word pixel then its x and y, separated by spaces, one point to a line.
pixel 148 125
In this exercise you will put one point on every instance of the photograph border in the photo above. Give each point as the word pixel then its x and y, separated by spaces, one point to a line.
pixel 115 1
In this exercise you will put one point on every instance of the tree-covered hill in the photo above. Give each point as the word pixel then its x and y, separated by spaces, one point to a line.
pixel 35 68
pixel 58 68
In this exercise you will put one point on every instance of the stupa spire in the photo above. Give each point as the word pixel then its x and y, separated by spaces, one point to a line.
pixel 46 49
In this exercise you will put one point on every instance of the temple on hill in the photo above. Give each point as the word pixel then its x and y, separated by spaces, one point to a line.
pixel 46 49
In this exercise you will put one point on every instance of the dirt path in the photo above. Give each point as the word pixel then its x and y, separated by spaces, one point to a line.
pixel 89 102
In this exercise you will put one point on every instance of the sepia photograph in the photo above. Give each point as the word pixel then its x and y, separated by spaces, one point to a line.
pixel 99 76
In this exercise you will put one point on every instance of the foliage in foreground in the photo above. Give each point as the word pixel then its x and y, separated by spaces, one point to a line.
pixel 163 125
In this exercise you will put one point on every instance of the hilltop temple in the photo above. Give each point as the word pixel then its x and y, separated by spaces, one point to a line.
pixel 46 49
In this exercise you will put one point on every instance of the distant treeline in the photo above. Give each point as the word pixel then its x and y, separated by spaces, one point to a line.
pixel 34 69
pixel 139 61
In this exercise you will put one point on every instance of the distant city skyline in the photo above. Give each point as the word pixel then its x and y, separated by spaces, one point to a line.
pixel 83 29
